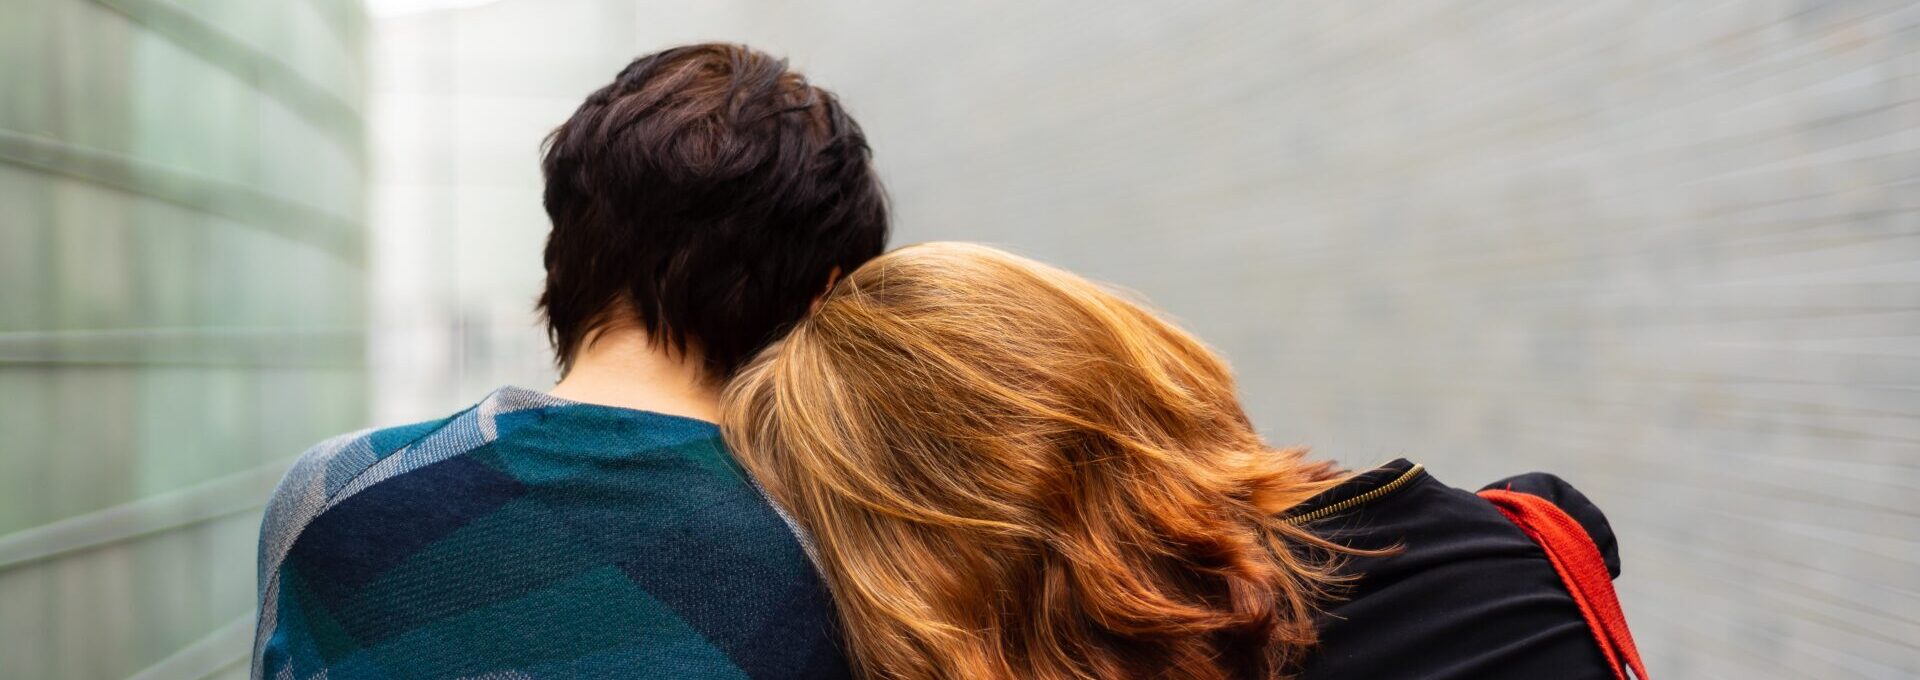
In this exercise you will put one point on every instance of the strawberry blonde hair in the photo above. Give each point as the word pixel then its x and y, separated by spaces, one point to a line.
pixel 1011 473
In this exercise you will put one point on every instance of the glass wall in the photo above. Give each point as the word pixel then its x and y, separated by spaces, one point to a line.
pixel 182 282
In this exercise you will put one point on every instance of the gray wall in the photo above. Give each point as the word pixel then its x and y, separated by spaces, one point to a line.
pixel 1668 250
pixel 182 283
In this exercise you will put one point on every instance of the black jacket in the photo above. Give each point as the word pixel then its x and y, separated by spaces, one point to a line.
pixel 1467 596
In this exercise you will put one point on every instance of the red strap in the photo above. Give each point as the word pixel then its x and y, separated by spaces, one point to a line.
pixel 1578 561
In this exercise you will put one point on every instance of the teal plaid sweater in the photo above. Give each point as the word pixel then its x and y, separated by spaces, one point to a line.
pixel 532 537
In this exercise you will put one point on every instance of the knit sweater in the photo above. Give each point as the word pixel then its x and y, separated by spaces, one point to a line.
pixel 533 537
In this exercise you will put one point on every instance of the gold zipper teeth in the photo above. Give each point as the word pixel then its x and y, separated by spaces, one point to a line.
pixel 1347 504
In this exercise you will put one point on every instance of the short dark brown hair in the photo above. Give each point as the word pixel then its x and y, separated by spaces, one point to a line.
pixel 707 194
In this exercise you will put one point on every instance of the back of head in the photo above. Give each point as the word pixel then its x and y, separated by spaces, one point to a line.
pixel 706 194
pixel 1012 473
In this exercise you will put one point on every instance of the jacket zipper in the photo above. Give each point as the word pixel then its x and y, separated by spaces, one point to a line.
pixel 1355 501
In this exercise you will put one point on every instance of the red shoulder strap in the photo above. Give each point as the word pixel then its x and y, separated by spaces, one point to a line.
pixel 1578 561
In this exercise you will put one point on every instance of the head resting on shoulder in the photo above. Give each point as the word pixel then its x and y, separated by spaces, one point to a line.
pixel 1010 472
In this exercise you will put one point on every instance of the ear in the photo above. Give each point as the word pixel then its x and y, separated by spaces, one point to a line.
pixel 833 277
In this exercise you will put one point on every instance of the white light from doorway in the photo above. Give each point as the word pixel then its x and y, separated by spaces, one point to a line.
pixel 390 8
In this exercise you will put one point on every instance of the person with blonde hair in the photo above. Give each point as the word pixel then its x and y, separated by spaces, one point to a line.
pixel 1008 472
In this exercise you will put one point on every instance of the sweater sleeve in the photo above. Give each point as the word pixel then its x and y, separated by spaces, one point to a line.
pixel 301 495
pixel 1569 499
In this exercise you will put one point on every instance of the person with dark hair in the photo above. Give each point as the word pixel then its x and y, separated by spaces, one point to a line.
pixel 701 203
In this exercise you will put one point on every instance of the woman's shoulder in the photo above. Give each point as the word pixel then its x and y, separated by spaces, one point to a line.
pixel 1454 589
pixel 1569 499
pixel 1384 498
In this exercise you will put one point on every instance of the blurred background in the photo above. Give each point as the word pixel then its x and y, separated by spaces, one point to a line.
pixel 1669 250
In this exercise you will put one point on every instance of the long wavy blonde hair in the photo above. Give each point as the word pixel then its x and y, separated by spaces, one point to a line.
pixel 1011 473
